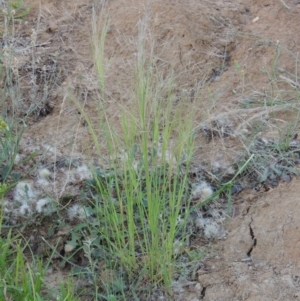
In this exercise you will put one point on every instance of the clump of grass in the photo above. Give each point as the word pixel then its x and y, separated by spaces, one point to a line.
pixel 25 91
pixel 10 137
pixel 19 281
pixel 139 198
pixel 23 277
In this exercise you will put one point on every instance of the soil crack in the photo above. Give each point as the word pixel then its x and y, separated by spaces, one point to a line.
pixel 254 240
pixel 202 293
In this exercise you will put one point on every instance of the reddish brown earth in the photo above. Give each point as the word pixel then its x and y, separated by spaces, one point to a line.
pixel 221 53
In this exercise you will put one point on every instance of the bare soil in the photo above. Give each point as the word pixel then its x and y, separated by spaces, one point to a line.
pixel 222 54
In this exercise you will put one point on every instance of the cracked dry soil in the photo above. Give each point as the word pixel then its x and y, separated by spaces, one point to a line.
pixel 259 260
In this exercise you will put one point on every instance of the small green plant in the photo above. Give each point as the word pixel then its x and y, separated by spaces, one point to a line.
pixel 3 125
pixel 65 292
pixel 20 9
pixel 10 138
pixel 14 11
pixel 3 189
pixel 23 277
pixel 19 279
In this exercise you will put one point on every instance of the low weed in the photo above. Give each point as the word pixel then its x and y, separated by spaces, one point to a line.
pixel 270 124
pixel 14 11
pixel 10 137
pixel 23 276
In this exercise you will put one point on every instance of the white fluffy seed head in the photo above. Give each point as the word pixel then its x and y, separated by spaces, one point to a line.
pixel 230 170
pixel 211 230
pixel 24 193
pixel 8 206
pixel 206 192
pixel 77 211
pixel 25 210
pixel 44 173
pixel 41 205
pixel 200 222
pixel 216 166
pixel 70 176
pixel 202 191
pixel 43 183
pixel 84 173
pixel 178 247
pixel 17 159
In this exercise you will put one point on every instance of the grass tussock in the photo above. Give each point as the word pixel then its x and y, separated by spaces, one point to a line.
pixel 140 195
